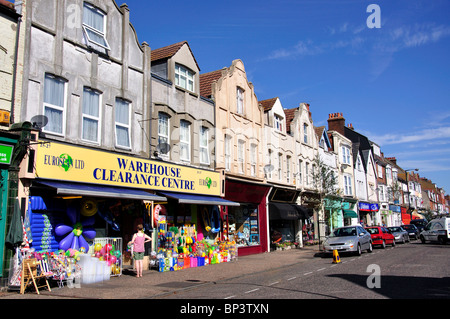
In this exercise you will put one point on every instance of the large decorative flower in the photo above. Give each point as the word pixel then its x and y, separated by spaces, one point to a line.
pixel 76 235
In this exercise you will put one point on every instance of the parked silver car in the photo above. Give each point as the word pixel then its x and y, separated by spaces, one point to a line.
pixel 399 233
pixel 348 239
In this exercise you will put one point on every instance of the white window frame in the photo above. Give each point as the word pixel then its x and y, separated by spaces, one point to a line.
pixel 280 166
pixel 288 169
pixel 305 133
pixel 204 146
pixel 269 156
pixel 60 108
pixel 87 90
pixel 241 156
pixel 227 152
pixel 185 130
pixel 278 122
pixel 346 158
pixel 306 173
pixel 164 135
pixel 253 157
pixel 240 100
pixel 348 191
pixel 126 126
pixel 300 175
pixel 186 74
pixel 87 27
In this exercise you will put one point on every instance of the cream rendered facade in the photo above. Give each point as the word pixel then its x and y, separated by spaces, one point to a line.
pixel 341 145
pixel 239 132
pixel 280 159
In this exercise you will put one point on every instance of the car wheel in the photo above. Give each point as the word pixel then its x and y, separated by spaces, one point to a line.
pixel 358 251
pixel 370 248
pixel 422 239
pixel 441 240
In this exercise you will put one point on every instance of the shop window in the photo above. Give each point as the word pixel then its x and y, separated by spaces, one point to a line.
pixel 244 225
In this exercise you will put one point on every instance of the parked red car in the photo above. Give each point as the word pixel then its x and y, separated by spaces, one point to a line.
pixel 381 236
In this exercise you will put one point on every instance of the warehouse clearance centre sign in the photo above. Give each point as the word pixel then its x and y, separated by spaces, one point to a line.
pixel 70 163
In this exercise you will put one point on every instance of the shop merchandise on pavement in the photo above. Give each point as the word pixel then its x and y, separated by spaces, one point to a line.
pixel 155 284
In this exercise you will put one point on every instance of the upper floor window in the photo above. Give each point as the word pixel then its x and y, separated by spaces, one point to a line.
pixel 345 155
pixel 184 77
pixel 305 133
pixel 241 156
pixel 288 169
pixel 55 104
pixel 91 115
pixel 123 125
pixel 163 133
pixel 380 171
pixel 240 100
pixel 227 152
pixel 280 166
pixel 278 123
pixel 94 26
pixel 253 148
pixel 185 140
pixel 204 151
pixel 348 185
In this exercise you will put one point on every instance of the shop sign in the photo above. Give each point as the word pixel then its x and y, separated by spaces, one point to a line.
pixel 77 164
pixel 394 208
pixel 367 207
pixel 5 153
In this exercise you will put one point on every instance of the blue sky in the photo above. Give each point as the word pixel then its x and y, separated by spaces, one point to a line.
pixel 392 83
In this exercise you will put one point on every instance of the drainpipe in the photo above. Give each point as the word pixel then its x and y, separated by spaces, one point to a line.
pixel 16 53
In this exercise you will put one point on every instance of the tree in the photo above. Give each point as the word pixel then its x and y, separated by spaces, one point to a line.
pixel 325 181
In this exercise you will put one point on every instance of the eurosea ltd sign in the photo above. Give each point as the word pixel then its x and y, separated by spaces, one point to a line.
pixel 59 161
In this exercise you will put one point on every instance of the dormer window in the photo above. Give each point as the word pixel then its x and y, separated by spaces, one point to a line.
pixel 278 123
pixel 184 77
pixel 94 27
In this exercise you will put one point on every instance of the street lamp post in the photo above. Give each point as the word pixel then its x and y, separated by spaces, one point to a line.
pixel 407 187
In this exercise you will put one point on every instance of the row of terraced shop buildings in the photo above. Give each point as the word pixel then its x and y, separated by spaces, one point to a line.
pixel 90 114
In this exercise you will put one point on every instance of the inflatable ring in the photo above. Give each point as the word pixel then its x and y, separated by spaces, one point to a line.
pixel 88 207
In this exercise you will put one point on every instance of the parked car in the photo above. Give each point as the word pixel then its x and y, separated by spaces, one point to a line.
pixel 437 230
pixel 399 233
pixel 412 230
pixel 419 223
pixel 381 236
pixel 348 239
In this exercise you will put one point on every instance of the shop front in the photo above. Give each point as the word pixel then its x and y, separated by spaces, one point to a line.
pixel 89 202
pixel 310 229
pixel 285 219
pixel 369 213
pixel 333 214
pixel 406 217
pixel 247 224
pixel 396 215
pixel 349 212
pixel 7 144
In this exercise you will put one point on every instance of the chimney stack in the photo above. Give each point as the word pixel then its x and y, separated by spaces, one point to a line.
pixel 336 122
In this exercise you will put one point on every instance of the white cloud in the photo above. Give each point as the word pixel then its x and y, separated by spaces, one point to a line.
pixel 426 134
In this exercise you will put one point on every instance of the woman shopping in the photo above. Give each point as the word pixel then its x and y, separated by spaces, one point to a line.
pixel 137 242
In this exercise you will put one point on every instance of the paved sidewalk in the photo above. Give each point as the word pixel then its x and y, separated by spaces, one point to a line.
pixel 154 284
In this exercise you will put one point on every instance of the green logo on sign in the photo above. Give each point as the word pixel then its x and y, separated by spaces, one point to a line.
pixel 66 161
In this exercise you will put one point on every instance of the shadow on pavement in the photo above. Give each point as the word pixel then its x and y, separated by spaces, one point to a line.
pixel 405 287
